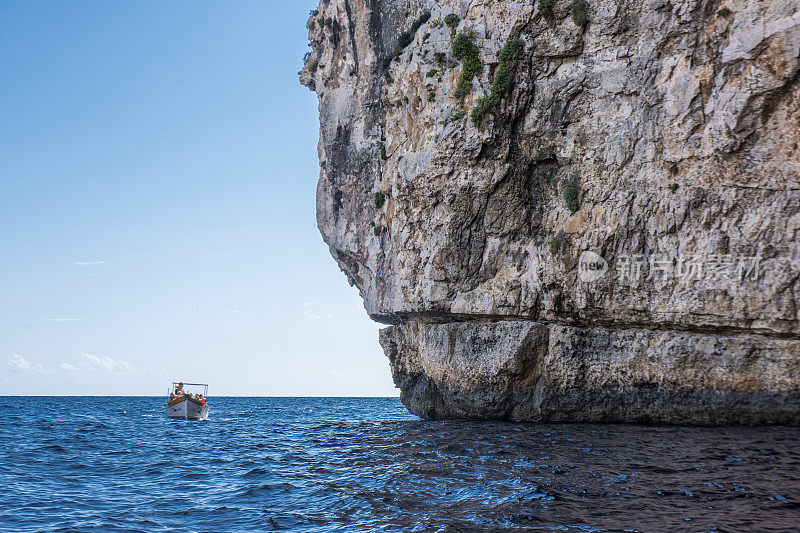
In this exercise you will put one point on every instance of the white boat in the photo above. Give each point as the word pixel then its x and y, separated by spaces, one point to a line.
pixel 185 404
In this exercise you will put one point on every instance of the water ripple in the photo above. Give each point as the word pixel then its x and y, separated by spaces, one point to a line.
pixel 304 464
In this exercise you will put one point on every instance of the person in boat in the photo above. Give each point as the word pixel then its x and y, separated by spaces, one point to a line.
pixel 179 389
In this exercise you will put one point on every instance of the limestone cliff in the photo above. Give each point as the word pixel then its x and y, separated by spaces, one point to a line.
pixel 472 152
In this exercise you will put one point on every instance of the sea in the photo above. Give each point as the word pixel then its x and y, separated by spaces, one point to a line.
pixel 114 464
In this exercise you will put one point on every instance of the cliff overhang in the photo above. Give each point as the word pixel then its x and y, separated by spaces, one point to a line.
pixel 569 211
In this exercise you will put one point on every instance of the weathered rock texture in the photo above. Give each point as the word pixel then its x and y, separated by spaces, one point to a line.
pixel 679 122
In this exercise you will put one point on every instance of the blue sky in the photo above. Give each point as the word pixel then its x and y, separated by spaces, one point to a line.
pixel 158 166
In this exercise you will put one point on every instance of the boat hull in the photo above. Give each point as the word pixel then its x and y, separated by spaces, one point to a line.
pixel 186 408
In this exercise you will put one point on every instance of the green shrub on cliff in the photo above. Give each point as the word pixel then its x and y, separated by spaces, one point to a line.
pixel 312 66
pixel 471 65
pixel 380 199
pixel 545 8
pixel 456 116
pixel 481 106
pixel 405 39
pixel 557 242
pixel 407 36
pixel 422 19
pixel 463 47
pixel 571 190
pixel 501 82
pixel 579 11
pixel 452 21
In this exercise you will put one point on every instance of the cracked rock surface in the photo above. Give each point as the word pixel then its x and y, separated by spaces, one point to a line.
pixel 657 131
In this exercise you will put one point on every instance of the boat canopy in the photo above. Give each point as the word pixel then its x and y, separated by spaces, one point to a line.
pixel 205 385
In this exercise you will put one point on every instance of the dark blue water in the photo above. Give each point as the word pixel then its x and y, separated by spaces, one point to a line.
pixel 112 464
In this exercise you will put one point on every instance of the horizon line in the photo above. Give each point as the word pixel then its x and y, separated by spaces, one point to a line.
pixel 162 396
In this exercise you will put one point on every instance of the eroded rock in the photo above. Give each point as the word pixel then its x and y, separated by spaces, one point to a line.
pixel 678 125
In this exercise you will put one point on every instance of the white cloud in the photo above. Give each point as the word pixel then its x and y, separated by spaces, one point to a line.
pixel 317 316
pixel 18 363
pixel 63 319
pixel 105 363
pixel 89 263
pixel 87 363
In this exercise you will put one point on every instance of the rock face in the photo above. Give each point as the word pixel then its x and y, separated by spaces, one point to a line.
pixel 662 137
